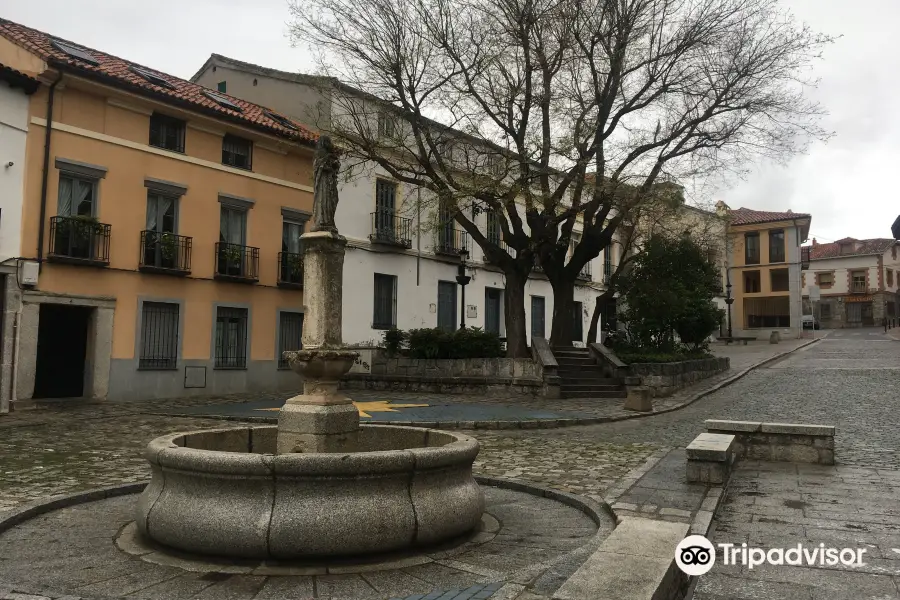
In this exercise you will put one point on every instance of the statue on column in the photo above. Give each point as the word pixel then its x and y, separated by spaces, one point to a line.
pixel 325 198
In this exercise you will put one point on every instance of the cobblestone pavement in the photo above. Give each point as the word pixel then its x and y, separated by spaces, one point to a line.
pixel 778 505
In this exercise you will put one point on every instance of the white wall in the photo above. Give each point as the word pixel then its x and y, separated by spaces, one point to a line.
pixel 841 266
pixel 13 132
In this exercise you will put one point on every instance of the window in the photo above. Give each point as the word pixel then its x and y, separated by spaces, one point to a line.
pixel 446 305
pixel 161 211
pixel 237 152
pixel 167 132
pixel 607 263
pixel 385 316
pixel 223 101
pixel 153 78
pixel 825 280
pixel 77 196
pixel 538 317
pixel 231 338
pixel 780 280
pixel 160 249
pixel 494 233
pixel 859 283
pixel 386 125
pixel 752 284
pixel 824 311
pixel 776 246
pixel 74 52
pixel 283 121
pixel 290 332
pixel 234 258
pixel 232 225
pixel 751 248
pixel 159 336
pixel 291 257
pixel 890 277
pixel 385 205
pixel 222 86
pixel 291 231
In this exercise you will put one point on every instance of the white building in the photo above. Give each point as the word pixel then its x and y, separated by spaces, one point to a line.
pixel 14 91
pixel 858 281
pixel 397 271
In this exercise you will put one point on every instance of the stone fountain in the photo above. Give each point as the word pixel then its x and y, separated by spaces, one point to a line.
pixel 318 484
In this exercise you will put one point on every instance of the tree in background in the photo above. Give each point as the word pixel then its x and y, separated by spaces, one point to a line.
pixel 552 113
pixel 669 290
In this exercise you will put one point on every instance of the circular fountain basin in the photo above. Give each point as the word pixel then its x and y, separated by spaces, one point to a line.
pixel 224 492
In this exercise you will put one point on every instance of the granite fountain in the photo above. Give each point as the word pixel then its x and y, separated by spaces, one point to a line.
pixel 318 484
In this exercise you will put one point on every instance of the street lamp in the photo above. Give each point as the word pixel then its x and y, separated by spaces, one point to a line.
pixel 728 299
pixel 463 280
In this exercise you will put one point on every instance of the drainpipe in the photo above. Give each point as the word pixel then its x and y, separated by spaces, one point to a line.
pixel 46 173
pixel 418 232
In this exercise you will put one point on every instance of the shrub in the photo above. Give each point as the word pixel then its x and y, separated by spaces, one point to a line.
pixel 471 342
pixel 392 341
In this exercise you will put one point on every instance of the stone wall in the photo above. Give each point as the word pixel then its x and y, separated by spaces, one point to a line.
pixel 494 376
pixel 664 379
pixel 780 442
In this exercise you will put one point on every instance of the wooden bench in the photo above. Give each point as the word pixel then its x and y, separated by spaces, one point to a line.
pixel 728 340
pixel 709 458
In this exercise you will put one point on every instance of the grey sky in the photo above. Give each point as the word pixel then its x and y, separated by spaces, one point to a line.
pixel 846 184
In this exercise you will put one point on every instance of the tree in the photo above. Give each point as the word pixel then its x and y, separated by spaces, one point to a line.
pixel 670 289
pixel 552 113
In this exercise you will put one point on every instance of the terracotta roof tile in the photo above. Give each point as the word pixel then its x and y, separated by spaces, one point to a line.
pixel 746 216
pixel 860 247
pixel 121 72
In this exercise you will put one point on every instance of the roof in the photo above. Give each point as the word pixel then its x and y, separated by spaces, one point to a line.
pixel 860 248
pixel 17 79
pixel 120 72
pixel 746 216
pixel 259 70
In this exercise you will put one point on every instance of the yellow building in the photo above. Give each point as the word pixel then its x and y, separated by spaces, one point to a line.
pixel 764 269
pixel 159 232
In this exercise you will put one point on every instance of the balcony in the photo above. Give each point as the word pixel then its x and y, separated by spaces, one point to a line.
pixel 290 270
pixel 235 262
pixel 79 240
pixel 503 246
pixel 165 253
pixel 389 229
pixel 451 242
pixel 858 287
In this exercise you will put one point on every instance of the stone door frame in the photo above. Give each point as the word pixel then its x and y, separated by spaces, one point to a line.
pixel 99 341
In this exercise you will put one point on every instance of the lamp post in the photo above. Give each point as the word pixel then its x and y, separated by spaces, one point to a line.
pixel 728 299
pixel 463 280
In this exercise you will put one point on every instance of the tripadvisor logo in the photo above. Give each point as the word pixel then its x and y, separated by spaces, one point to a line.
pixel 695 555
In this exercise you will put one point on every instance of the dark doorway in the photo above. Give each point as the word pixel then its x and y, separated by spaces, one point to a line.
pixel 577 323
pixel 492 300
pixel 446 305
pixel 61 351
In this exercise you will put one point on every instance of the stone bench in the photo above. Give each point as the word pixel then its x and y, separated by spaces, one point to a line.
pixel 709 458
pixel 778 442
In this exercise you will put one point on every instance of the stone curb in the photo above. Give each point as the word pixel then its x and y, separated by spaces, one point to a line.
pixel 533 424
pixel 17 516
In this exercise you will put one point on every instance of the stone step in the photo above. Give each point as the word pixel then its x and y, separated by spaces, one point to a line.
pixel 571 352
pixel 592 394
pixel 587 387
pixel 573 361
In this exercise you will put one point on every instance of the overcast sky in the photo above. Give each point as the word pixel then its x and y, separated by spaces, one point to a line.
pixel 848 184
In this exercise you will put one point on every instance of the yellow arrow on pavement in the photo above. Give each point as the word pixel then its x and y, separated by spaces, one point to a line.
pixel 365 408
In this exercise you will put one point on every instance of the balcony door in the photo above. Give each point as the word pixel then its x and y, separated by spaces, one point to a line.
pixel 385 207
pixel 232 237
pixel 291 252
pixel 76 236
pixel 160 245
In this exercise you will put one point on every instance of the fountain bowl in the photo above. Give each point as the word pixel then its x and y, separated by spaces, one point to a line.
pixel 225 492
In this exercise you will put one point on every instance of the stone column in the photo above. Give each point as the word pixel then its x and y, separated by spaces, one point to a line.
pixel 322 419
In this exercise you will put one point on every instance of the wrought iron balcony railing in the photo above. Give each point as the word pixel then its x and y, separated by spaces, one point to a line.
pixel 79 240
pixel 235 262
pixel 388 228
pixel 858 287
pixel 503 246
pixel 290 269
pixel 451 241
pixel 163 252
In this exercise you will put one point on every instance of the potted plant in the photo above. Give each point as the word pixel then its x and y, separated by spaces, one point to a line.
pixel 75 235
pixel 231 259
pixel 168 248
pixel 293 267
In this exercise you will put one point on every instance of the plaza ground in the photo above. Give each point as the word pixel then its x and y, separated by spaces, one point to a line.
pixel 849 380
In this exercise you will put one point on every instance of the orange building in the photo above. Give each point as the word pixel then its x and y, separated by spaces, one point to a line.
pixel 160 232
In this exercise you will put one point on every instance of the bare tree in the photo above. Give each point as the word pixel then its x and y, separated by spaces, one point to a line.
pixel 556 115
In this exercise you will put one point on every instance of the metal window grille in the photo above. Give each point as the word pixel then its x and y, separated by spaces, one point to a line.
pixel 385 316
pixel 167 132
pixel 159 336
pixel 537 317
pixel 231 338
pixel 237 152
pixel 291 332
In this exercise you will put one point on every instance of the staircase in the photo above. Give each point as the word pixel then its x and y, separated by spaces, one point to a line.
pixel 581 377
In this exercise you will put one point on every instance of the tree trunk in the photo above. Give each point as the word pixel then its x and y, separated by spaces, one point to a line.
pixel 599 306
pixel 563 320
pixel 514 309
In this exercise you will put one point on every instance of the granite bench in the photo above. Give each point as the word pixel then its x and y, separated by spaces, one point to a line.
pixel 709 458
pixel 778 442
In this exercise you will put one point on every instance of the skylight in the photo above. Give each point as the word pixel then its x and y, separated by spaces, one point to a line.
pixel 222 100
pixel 280 120
pixel 74 52
pixel 153 78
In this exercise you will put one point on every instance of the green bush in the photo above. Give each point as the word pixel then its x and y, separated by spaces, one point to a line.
pixel 472 342
pixel 392 341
